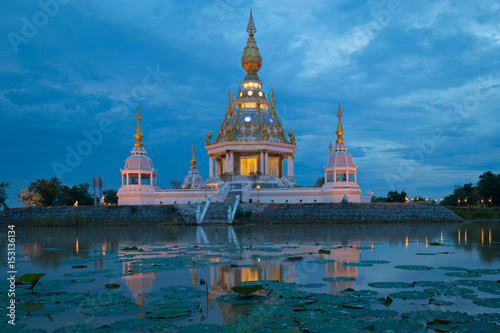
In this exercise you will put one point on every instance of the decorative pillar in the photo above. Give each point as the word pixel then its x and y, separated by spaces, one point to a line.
pixel 292 165
pixel 227 161
pixel 267 162
pixel 210 165
pixel 282 167
pixel 262 161
pixel 127 180
pixel 140 179
pixel 231 161
pixel 288 165
pixel 355 180
pixel 334 175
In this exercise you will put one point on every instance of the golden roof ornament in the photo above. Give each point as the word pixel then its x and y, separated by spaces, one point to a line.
pixel 330 146
pixel 138 132
pixel 229 105
pixel 251 60
pixel 340 130
pixel 193 158
pixel 209 135
pixel 273 107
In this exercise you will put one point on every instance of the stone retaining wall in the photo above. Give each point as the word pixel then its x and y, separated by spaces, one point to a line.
pixel 248 213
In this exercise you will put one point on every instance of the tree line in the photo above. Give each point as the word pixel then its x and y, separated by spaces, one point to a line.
pixel 485 192
pixel 52 192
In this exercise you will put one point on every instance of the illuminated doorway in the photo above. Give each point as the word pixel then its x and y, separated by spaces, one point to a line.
pixel 247 165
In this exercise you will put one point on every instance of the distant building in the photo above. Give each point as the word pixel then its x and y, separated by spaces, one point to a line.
pixel 251 155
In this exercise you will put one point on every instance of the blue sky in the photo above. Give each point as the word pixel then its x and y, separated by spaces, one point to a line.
pixel 419 84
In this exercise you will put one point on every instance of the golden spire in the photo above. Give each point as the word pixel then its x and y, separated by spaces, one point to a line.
pixel 229 105
pixel 138 132
pixel 330 146
pixel 251 59
pixel 193 159
pixel 251 26
pixel 273 108
pixel 257 105
pixel 340 130
pixel 209 135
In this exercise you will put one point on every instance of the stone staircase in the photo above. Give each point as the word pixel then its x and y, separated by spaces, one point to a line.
pixel 217 212
pixel 231 197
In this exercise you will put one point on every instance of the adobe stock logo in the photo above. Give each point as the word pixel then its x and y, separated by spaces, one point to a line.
pixel 30 28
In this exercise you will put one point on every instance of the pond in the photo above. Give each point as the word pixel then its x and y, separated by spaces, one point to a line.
pixel 311 278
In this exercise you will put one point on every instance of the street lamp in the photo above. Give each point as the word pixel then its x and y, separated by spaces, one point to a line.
pixel 465 201
pixel 490 202
pixel 258 188
pixel 459 202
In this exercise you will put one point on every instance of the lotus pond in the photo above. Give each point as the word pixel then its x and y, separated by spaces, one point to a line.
pixel 299 278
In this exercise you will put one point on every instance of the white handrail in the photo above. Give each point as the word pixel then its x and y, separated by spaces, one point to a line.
pixel 223 192
pixel 233 213
pixel 202 217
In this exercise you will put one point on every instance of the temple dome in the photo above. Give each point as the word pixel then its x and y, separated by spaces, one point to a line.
pixel 138 160
pixel 340 158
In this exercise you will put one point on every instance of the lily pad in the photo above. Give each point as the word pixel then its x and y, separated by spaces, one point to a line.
pixel 337 326
pixel 476 326
pixel 391 285
pixel 463 274
pixel 206 328
pixel 439 302
pixel 383 313
pixel 338 279
pixel 453 268
pixel 425 316
pixel 242 299
pixel 375 262
pixel 414 267
pixel 440 325
pixel 414 294
pixel 168 313
pixel 487 302
pixel 245 290
pixel 359 293
pixel 399 326
pixel 357 264
pixel 112 286
pixel 314 285
pixel 270 309
pixel 321 261
pixel 165 302
pixel 237 328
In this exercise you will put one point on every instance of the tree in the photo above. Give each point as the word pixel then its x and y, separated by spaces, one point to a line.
pixel 226 177
pixel 395 196
pixel 175 184
pixel 67 196
pixel 29 198
pixel 110 197
pixel 3 194
pixel 48 190
pixel 378 199
pixel 488 187
pixel 254 177
pixel 320 182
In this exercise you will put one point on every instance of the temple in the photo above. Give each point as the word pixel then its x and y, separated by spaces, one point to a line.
pixel 251 155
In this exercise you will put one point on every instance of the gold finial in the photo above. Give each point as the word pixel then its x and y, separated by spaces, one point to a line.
pixel 340 130
pixel 229 105
pixel 193 159
pixel 251 59
pixel 330 146
pixel 209 135
pixel 257 104
pixel 251 26
pixel 138 132
pixel 273 107
pixel 240 106
pixel 290 133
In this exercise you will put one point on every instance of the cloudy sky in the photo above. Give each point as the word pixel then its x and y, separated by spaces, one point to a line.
pixel 419 84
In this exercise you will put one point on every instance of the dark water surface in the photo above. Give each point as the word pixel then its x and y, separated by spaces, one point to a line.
pixel 226 256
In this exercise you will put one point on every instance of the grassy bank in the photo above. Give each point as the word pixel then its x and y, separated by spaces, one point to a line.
pixel 476 213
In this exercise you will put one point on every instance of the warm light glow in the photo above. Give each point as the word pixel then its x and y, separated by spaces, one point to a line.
pixel 489 236
pixel 406 242
pixel 426 242
pixel 77 247
pixel 258 259
pixel 251 84
pixel 441 237
pixel 250 93
pixel 458 236
pixel 482 237
pixel 258 186
pixel 245 85
pixel 75 204
pixel 465 237
pixel 260 93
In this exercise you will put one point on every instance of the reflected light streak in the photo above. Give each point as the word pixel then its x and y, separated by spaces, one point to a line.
pixel 482 237
pixel 458 236
pixel 489 236
pixel 426 242
pixel 441 237
pixel 465 236
pixel 406 242
pixel 77 247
